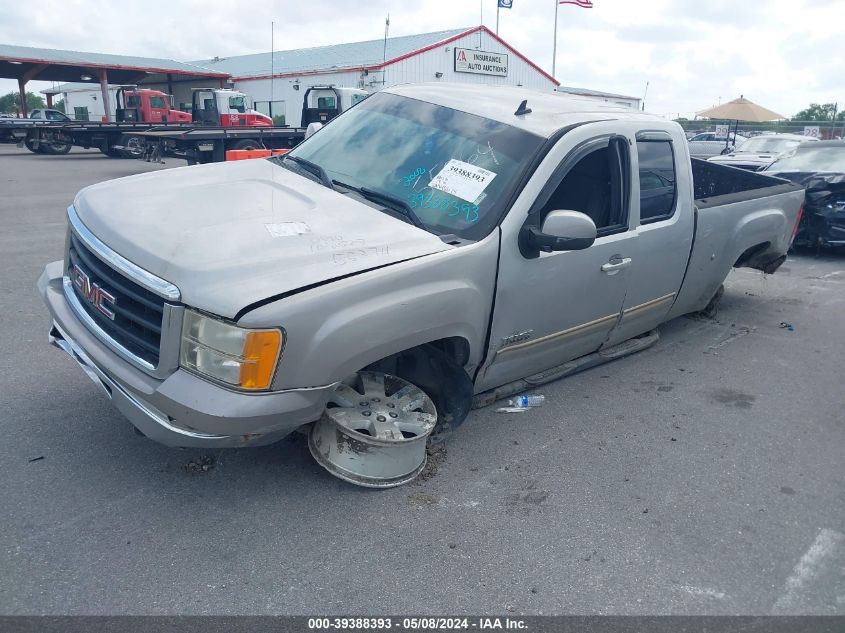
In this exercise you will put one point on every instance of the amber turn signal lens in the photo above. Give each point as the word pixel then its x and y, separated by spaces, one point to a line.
pixel 261 351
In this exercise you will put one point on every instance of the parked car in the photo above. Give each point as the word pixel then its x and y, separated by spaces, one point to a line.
pixel 820 169
pixel 41 115
pixel 709 144
pixel 48 115
pixel 759 152
pixel 426 251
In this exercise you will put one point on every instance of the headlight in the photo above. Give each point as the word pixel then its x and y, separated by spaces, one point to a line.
pixel 243 358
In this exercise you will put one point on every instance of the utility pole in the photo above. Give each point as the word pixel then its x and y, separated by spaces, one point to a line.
pixel 384 53
pixel 272 68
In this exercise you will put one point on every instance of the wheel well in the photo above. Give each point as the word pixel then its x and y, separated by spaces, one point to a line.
pixel 750 253
pixel 455 347
pixel 438 369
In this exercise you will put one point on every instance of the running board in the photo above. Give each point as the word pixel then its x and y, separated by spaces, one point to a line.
pixel 631 346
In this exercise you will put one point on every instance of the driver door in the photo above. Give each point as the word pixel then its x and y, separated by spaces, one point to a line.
pixel 553 307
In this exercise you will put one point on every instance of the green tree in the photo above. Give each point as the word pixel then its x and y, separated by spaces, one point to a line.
pixel 11 101
pixel 819 112
pixel 59 105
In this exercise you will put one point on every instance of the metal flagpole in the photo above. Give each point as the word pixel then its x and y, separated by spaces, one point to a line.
pixel 481 8
pixel 554 46
pixel 497 18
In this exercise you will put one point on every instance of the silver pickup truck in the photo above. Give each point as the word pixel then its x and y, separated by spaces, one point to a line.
pixel 435 247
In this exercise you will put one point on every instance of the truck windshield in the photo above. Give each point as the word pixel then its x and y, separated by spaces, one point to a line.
pixel 237 103
pixel 457 171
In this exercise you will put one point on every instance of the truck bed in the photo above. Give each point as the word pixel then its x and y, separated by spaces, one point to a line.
pixel 715 184
pixel 742 219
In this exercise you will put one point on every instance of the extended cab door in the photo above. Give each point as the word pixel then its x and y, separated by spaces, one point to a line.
pixel 663 220
pixel 553 307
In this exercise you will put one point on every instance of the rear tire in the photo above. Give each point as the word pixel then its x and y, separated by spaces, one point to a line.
pixel 246 144
pixel 712 308
pixel 58 149
pixel 32 147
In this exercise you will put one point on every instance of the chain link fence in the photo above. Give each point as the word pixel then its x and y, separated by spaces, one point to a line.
pixel 825 130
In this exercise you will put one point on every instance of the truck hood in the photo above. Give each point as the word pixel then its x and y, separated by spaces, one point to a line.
pixel 232 234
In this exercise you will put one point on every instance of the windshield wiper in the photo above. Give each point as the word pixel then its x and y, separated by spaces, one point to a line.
pixel 313 168
pixel 397 204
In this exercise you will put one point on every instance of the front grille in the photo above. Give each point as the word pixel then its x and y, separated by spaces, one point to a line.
pixel 137 311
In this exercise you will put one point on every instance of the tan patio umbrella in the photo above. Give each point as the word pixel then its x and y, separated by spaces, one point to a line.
pixel 738 110
pixel 741 110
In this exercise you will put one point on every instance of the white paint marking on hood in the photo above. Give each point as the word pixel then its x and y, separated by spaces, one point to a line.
pixel 703 591
pixel 286 229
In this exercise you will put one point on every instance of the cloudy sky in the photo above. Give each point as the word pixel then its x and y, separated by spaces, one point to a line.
pixel 782 54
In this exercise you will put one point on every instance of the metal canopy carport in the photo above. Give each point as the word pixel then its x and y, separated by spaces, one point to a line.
pixel 42 64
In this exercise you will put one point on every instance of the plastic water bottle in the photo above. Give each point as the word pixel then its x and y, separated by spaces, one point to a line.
pixel 527 401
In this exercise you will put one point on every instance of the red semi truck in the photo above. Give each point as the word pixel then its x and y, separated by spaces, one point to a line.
pixel 222 107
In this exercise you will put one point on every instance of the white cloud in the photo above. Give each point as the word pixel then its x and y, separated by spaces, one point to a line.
pixel 782 54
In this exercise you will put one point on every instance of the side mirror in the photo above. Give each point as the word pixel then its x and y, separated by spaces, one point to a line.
pixel 563 231
pixel 312 129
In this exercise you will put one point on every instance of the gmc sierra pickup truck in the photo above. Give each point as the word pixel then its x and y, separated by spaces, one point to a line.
pixel 432 246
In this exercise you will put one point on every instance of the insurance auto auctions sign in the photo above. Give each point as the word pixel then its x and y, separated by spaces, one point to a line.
pixel 468 60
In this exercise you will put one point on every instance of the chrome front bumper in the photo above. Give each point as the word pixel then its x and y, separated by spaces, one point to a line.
pixel 182 409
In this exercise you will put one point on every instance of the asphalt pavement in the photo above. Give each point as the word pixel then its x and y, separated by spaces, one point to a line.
pixel 704 475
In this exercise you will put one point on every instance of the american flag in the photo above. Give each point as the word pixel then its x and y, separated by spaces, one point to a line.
pixel 584 4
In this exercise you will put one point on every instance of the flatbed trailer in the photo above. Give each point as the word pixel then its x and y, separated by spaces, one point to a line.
pixel 57 137
pixel 200 145
pixel 152 142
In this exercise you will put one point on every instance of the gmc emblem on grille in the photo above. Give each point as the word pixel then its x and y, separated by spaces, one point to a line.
pixel 92 293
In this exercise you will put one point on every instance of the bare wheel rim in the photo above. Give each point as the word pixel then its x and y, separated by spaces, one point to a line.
pixel 382 407
pixel 134 145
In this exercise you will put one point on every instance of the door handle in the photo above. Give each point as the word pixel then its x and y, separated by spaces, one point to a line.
pixel 616 264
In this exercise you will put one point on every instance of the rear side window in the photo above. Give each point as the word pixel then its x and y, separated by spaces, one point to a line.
pixel 657 180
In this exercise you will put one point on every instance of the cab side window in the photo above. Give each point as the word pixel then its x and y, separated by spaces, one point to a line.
pixel 595 186
pixel 658 190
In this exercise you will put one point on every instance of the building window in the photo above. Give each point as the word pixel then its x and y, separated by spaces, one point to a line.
pixel 273 109
pixel 80 113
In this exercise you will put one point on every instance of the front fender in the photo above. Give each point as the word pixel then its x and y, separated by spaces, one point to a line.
pixel 338 328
